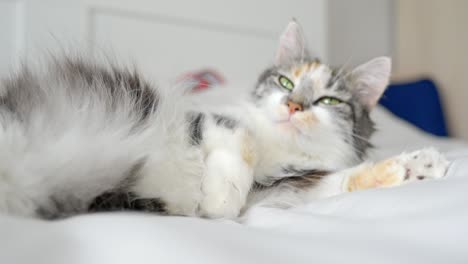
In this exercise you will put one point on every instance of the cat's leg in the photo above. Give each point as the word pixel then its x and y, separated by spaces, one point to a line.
pixel 402 169
pixel 228 176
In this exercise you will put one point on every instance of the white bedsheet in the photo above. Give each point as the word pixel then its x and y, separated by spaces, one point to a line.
pixel 425 222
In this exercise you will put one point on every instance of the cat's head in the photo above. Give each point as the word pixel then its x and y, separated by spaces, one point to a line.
pixel 312 101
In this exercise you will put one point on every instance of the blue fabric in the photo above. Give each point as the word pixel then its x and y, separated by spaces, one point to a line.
pixel 418 103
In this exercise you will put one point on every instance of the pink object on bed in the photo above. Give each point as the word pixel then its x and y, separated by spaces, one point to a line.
pixel 203 79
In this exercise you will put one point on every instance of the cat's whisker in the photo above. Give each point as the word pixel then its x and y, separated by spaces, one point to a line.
pixel 360 137
pixel 342 70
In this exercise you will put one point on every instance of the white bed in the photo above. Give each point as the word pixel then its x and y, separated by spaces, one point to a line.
pixel 425 222
pixel 419 223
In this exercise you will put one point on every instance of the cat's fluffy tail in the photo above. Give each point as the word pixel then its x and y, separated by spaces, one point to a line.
pixel 74 129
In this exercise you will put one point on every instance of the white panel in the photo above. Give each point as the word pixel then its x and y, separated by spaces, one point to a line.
pixel 259 16
pixel 167 50
pixel 54 25
pixel 11 29
pixel 239 38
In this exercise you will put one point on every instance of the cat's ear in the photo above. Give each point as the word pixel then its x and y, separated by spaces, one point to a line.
pixel 292 46
pixel 370 80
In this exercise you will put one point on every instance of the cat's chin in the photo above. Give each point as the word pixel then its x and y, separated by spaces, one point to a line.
pixel 287 126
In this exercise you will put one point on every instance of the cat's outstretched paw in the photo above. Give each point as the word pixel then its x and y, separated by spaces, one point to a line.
pixel 404 168
pixel 423 164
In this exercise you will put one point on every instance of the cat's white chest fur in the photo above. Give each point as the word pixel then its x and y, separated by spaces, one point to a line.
pixel 280 146
pixel 213 178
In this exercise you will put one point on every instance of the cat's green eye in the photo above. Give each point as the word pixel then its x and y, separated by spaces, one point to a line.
pixel 330 101
pixel 286 83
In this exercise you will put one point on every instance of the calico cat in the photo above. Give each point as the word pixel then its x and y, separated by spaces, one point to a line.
pixel 81 137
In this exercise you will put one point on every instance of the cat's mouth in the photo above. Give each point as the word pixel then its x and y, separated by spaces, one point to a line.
pixel 284 121
pixel 287 125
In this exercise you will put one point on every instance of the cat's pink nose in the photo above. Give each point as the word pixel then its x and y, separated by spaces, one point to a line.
pixel 294 107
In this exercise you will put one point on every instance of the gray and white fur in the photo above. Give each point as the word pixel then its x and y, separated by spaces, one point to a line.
pixel 77 136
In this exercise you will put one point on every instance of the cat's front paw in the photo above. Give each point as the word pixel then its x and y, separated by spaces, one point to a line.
pixel 226 203
pixel 404 168
pixel 423 164
pixel 225 186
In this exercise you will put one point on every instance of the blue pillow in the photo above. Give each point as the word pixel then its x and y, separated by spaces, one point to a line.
pixel 418 103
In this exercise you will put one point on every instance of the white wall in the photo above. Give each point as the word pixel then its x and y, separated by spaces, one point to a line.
pixel 359 30
pixel 165 38
pixel 238 37
pixel 11 38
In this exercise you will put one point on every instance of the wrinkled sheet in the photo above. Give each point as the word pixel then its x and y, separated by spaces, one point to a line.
pixel 424 222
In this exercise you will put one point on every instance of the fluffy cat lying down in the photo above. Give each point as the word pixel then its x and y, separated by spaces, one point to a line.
pixel 79 137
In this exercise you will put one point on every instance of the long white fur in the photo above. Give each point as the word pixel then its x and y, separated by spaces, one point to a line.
pixel 77 150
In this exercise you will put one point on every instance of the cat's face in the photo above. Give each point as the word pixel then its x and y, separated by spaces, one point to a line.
pixel 307 99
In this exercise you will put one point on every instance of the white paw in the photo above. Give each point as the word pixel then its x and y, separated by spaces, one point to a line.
pixel 423 164
pixel 224 203
pixel 225 186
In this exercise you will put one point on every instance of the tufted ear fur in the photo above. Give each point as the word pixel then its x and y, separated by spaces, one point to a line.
pixel 292 46
pixel 370 80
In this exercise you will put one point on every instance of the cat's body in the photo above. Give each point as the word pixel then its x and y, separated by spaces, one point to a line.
pixel 78 137
pixel 82 130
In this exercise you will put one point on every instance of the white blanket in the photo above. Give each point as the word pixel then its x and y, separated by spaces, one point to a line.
pixel 424 222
